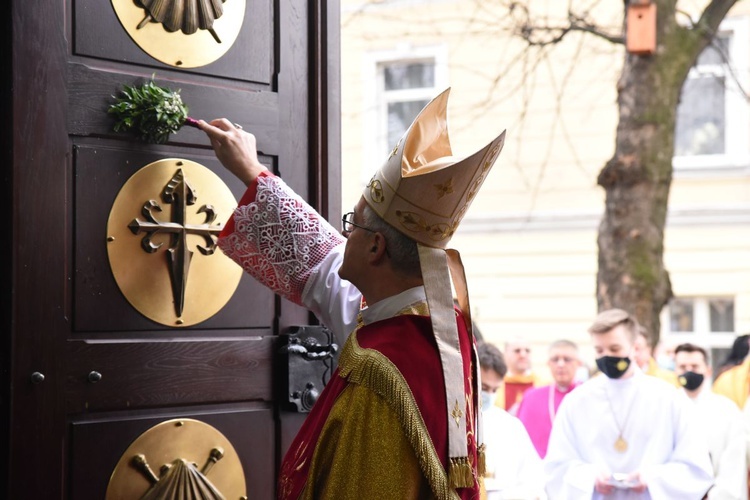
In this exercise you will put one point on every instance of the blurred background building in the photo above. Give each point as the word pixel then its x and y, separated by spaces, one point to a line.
pixel 529 239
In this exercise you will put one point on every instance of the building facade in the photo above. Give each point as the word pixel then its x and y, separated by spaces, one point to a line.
pixel 529 240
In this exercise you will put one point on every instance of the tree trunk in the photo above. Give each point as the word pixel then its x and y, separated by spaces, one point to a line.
pixel 637 178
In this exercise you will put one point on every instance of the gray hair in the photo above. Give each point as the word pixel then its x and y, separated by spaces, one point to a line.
pixel 563 343
pixel 402 250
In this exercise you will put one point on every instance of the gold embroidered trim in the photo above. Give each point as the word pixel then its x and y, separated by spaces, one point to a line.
pixel 376 190
pixel 460 473
pixel 416 309
pixel 482 460
pixel 371 369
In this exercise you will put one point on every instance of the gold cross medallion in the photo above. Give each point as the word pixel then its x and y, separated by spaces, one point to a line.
pixel 621 445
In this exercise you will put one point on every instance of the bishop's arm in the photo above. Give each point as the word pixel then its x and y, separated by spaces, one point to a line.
pixel 280 240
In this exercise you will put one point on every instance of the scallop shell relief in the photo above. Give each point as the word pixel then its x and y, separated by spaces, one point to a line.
pixel 187 16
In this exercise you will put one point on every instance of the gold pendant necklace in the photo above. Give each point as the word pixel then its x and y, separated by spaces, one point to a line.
pixel 621 446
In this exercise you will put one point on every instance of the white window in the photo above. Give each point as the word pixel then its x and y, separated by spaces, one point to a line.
pixel 400 84
pixel 405 88
pixel 713 117
pixel 704 321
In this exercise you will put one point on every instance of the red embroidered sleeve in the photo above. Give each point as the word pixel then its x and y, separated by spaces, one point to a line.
pixel 277 237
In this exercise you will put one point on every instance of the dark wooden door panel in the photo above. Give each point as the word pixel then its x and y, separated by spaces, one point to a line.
pixel 98 441
pixel 142 374
pixel 101 169
pixel 97 33
pixel 91 90
pixel 65 168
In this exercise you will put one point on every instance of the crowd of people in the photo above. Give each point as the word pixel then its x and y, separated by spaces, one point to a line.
pixel 628 428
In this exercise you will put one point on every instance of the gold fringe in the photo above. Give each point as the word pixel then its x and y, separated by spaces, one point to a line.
pixel 460 474
pixel 371 369
pixel 481 460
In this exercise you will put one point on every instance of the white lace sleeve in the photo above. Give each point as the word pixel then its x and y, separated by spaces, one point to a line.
pixel 279 239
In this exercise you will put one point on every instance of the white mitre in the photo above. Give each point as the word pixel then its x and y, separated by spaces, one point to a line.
pixel 423 191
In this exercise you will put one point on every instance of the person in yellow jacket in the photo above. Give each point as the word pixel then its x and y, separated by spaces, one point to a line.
pixel 734 383
pixel 644 357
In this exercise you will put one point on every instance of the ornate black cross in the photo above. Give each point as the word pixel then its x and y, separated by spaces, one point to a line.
pixel 180 194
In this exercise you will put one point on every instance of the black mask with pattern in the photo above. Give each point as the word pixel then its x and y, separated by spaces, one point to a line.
pixel 613 366
pixel 690 380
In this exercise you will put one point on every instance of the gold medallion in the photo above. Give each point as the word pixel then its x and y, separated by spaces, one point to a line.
pixel 621 445
pixel 180 33
pixel 179 458
pixel 162 242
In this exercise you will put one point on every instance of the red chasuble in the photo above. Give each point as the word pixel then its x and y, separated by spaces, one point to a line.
pixel 380 428
pixel 514 389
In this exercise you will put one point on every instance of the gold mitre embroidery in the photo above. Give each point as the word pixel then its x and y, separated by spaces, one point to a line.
pixel 422 189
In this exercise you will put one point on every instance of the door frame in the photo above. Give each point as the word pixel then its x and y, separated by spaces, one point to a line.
pixel 38 188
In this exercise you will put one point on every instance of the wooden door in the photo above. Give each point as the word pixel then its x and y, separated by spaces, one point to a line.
pixel 86 373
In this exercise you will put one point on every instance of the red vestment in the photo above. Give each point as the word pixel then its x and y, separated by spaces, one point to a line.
pixel 408 343
pixel 380 427
pixel 515 386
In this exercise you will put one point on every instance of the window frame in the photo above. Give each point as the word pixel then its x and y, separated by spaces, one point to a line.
pixel 375 118
pixel 736 107
pixel 701 334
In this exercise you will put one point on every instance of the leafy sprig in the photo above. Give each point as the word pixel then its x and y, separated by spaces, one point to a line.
pixel 150 111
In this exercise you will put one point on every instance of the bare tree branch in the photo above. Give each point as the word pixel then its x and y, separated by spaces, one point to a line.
pixel 541 35
pixel 714 13
pixel 581 24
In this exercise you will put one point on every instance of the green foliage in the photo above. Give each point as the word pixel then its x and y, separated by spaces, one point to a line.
pixel 150 112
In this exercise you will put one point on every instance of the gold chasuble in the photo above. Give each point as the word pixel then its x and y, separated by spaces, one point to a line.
pixel 735 383
pixel 378 429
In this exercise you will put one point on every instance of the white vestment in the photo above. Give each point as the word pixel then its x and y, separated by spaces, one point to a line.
pixel 514 469
pixel 721 422
pixel 746 418
pixel 656 421
pixel 334 301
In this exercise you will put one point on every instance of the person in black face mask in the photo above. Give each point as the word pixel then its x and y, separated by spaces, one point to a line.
pixel 721 423
pixel 624 434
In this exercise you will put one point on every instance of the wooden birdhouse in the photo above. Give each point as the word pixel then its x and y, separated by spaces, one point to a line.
pixel 640 36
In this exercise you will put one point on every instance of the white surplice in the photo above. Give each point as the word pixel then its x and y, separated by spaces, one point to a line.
pixel 660 428
pixel 514 469
pixel 723 426
pixel 334 301
pixel 746 419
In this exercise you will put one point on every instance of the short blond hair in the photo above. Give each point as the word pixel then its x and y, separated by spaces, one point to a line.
pixel 607 320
